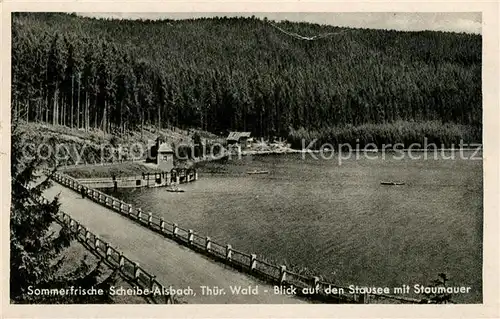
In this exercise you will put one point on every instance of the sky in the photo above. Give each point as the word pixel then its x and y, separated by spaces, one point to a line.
pixel 469 22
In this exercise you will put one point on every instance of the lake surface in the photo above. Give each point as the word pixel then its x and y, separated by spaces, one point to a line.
pixel 338 220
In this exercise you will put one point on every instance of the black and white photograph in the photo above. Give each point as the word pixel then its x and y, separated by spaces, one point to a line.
pixel 246 158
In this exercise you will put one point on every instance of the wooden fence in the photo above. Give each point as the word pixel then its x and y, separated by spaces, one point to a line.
pixel 158 179
pixel 114 258
pixel 249 263
pixel 66 166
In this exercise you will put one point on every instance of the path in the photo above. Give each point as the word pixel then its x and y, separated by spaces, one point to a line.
pixel 172 263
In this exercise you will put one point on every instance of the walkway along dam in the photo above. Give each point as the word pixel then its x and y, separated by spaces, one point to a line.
pixel 183 258
pixel 112 257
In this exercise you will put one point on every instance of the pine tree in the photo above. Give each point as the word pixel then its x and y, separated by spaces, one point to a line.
pixel 36 251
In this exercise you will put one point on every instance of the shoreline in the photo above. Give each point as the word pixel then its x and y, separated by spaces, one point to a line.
pixel 297 151
pixel 90 168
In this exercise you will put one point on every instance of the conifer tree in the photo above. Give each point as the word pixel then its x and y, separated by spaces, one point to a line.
pixel 36 249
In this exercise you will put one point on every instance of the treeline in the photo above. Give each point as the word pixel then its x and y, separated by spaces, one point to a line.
pixel 223 74
pixel 427 134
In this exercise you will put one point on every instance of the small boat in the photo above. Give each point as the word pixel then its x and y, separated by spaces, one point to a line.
pixel 258 172
pixel 175 190
pixel 392 183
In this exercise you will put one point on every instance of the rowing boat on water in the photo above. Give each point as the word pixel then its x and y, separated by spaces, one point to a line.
pixel 392 183
pixel 258 172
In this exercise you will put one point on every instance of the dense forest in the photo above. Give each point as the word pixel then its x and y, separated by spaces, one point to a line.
pixel 248 74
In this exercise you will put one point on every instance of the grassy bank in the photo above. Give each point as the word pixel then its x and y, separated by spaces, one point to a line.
pixel 444 135
pixel 76 146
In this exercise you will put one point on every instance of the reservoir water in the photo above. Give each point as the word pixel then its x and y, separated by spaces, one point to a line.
pixel 338 220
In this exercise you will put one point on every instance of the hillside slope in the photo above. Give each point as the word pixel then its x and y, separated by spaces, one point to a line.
pixel 222 74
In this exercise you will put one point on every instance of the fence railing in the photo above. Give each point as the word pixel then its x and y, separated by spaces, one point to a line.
pixel 65 166
pixel 114 258
pixel 248 263
pixel 178 176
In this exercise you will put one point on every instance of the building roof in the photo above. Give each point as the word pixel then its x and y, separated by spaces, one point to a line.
pixel 165 148
pixel 235 136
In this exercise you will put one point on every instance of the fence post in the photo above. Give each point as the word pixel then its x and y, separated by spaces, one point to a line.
pixel 121 263
pixel 190 236
pixel 162 225
pixel 139 214
pixel 170 298
pixel 87 235
pixel 150 218
pixel 152 282
pixel 96 244
pixel 363 298
pixel 229 252
pixel 129 209
pixel 208 245
pixel 136 271
pixel 195 176
pixel 108 251
pixel 282 274
pixel 316 284
pixel 174 231
pixel 253 261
